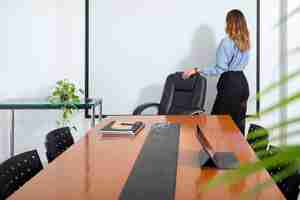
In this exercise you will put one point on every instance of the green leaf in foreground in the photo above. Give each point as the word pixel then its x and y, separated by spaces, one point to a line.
pixel 235 176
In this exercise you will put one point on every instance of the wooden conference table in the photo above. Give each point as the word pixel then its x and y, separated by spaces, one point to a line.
pixel 97 167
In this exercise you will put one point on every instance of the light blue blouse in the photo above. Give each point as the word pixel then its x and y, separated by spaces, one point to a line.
pixel 229 58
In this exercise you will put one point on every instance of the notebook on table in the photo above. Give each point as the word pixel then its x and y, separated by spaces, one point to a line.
pixel 122 128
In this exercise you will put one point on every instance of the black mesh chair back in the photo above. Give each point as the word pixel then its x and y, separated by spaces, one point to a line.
pixel 258 138
pixel 180 96
pixel 58 141
pixel 290 186
pixel 16 171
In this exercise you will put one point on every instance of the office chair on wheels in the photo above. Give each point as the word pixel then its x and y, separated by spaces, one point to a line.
pixel 180 97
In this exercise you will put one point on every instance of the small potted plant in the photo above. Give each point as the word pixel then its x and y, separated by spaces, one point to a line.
pixel 67 94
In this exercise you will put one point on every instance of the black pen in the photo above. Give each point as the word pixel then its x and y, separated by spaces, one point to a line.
pixel 127 124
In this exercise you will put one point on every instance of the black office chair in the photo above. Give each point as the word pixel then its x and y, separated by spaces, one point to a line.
pixel 16 171
pixel 289 186
pixel 58 141
pixel 258 138
pixel 180 96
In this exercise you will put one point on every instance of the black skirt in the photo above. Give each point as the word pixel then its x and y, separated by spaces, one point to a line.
pixel 232 97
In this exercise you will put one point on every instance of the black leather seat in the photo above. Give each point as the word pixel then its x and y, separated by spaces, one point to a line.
pixel 179 96
pixel 58 141
pixel 16 171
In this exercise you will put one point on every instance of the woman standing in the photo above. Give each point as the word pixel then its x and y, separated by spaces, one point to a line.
pixel 232 58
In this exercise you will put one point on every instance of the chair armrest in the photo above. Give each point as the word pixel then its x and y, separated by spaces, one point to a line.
pixel 195 112
pixel 141 108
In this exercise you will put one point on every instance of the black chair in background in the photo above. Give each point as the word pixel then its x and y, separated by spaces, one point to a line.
pixel 16 171
pixel 289 186
pixel 58 141
pixel 179 96
pixel 258 138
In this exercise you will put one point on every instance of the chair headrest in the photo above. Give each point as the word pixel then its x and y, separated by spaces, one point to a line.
pixel 185 84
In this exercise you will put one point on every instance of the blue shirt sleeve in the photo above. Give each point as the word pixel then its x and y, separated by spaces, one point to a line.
pixel 225 53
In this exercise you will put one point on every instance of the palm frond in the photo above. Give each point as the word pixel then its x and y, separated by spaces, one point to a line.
pixel 263 143
pixel 291 169
pixel 277 84
pixel 284 19
pixel 235 176
pixel 258 133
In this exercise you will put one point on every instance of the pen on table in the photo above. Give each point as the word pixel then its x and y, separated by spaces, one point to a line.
pixel 127 124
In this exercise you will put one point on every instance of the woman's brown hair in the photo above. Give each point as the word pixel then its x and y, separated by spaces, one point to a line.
pixel 237 29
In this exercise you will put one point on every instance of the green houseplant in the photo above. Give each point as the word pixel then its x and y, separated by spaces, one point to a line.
pixel 66 93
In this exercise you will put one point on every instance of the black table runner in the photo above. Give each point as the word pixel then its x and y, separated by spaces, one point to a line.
pixel 154 173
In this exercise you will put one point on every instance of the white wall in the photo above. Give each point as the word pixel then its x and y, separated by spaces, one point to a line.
pixel 41 43
pixel 136 44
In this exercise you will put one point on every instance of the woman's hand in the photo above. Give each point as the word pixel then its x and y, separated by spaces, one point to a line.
pixel 189 72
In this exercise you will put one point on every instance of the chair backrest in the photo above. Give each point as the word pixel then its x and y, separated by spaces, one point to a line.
pixel 180 96
pixel 58 141
pixel 17 170
pixel 258 137
pixel 290 186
